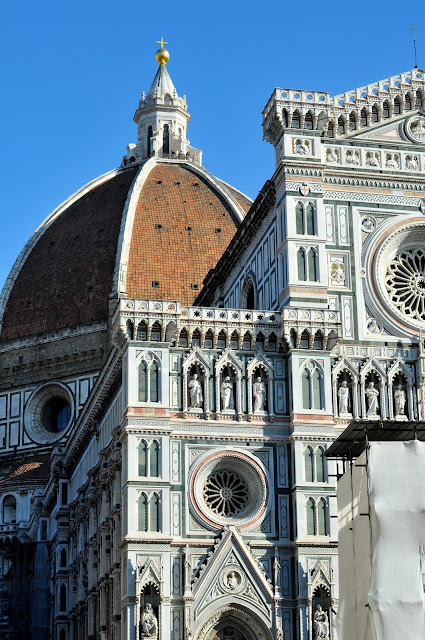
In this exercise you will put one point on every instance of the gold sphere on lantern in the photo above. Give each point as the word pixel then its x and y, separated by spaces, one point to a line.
pixel 162 56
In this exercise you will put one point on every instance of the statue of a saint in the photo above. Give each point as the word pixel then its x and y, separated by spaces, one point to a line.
pixel 232 580
pixel 148 622
pixel 195 392
pixel 259 391
pixel 344 399
pixel 227 401
pixel 320 624
pixel 372 400
pixel 399 401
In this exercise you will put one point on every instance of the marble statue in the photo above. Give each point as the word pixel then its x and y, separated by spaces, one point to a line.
pixel 372 395
pixel 232 581
pixel 399 401
pixel 344 398
pixel 195 392
pixel 320 624
pixel 259 391
pixel 149 622
pixel 227 400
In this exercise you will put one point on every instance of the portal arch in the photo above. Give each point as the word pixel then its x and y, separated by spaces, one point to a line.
pixel 245 625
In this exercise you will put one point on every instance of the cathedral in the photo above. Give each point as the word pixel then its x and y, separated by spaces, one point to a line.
pixel 176 359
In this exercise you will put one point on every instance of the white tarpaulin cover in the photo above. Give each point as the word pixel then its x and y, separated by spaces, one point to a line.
pixel 380 556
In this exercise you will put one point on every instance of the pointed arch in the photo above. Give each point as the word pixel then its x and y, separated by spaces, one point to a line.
pixel 308 464
pixel 142 521
pixel 322 516
pixel 301 264
pixel 154 459
pixel 166 139
pixel 310 517
pixel 149 370
pixel 363 118
pixel 299 218
pixel 352 121
pixel 249 294
pixel 341 126
pixel 296 120
pixel 308 121
pixel 154 523
pixel 386 110
pixel 312 265
pixel 397 106
pixel 319 464
pixel 142 458
pixel 9 509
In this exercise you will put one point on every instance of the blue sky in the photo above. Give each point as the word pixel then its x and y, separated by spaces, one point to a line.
pixel 72 74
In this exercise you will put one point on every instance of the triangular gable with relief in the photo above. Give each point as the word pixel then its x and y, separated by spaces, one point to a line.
pixel 232 573
pixel 148 572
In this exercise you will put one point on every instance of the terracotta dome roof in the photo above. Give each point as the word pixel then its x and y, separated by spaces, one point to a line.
pixel 148 231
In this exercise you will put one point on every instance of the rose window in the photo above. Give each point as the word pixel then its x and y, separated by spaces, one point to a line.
pixel 405 283
pixel 225 493
pixel 228 487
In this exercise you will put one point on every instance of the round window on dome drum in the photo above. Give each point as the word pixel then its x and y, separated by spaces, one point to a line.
pixel 49 413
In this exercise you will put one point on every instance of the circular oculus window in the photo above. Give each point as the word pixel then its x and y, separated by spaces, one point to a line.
pixel 397 275
pixel 228 487
pixel 49 413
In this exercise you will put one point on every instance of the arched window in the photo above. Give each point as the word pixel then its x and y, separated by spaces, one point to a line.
pixel 142 459
pixel 154 513
pixel 341 126
pixel 166 139
pixel 154 382
pixel 363 118
pixel 154 459
pixel 247 342
pixel 156 332
pixel 9 510
pixel 209 339
pixel 143 385
pixel 305 387
pixel 196 338
pixel 330 132
pixel 142 331
pixel 312 267
pixel 305 340
pixel 321 517
pixel 284 117
pixel 299 218
pixel 308 122
pixel 407 102
pixel 248 295
pixel 308 464
pixel 62 598
pixel 142 513
pixel 63 562
pixel 234 341
pixel 352 122
pixel 221 340
pixel 149 141
pixel 310 517
pixel 302 271
pixel 397 107
pixel 320 465
pixel 418 102
pixel 183 338
pixel 129 329
pixel 296 120
pixel 317 390
pixel 309 219
pixel 374 114
pixel 386 110
pixel 318 341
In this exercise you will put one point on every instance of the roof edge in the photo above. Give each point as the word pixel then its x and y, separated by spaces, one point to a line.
pixel 37 234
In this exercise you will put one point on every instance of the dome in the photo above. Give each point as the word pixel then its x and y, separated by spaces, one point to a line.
pixel 151 230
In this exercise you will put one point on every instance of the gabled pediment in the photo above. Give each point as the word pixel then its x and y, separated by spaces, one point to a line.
pixel 408 128
pixel 232 572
